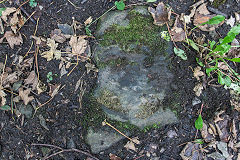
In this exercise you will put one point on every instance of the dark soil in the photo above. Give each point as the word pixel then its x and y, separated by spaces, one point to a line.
pixel 65 119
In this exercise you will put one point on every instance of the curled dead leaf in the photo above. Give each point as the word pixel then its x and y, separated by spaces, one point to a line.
pixel 53 52
pixel 23 94
pixel 12 39
pixel 160 14
pixel 198 73
pixel 57 35
pixel 198 89
pixel 177 32
pixel 78 44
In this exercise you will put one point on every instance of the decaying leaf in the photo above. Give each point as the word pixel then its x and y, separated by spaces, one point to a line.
pixel 198 89
pixel 88 21
pixel 192 151
pixel 78 44
pixel 208 137
pixel 91 67
pixel 130 145
pixel 54 89
pixel 57 35
pixel 223 66
pixel 23 94
pixel 202 15
pixel 1 27
pixel 3 99
pixel 39 40
pixel 7 12
pixel 160 14
pixel 53 52
pixel 43 122
pixel 114 157
pixel 32 79
pixel 12 39
pixel 223 128
pixel 177 32
pixel 230 21
pixel 198 73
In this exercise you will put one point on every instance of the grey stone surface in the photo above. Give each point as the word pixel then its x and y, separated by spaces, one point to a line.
pixel 102 139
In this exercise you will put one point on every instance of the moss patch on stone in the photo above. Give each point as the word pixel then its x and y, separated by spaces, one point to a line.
pixel 139 33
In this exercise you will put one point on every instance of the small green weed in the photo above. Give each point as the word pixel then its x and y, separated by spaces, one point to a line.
pixel 32 3
pixel 50 76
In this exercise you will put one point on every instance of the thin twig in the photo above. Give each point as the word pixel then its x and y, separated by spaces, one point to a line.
pixel 64 150
pixel 73 67
pixel 73 4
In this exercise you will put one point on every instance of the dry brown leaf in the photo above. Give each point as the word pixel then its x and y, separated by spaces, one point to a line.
pixel 7 12
pixel 57 35
pixel 230 21
pixel 78 44
pixel 54 89
pixel 3 99
pixel 114 157
pixel 177 32
pixel 91 67
pixel 39 40
pixel 32 79
pixel 1 27
pixel 135 140
pixel 53 52
pixel 198 89
pixel 130 145
pixel 223 66
pixel 198 73
pixel 160 14
pixel 88 21
pixel 12 39
pixel 202 15
pixel 23 94
pixel 10 78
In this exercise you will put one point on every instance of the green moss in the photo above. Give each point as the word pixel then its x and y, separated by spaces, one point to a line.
pixel 154 126
pixel 140 32
pixel 217 3
pixel 173 103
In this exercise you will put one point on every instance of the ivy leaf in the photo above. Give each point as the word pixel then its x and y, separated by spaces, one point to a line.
pixel 215 20
pixel 179 52
pixel 5 108
pixel 1 10
pixel 199 122
pixel 120 5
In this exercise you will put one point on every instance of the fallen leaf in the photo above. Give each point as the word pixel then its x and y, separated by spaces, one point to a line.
pixel 12 39
pixel 130 145
pixel 78 44
pixel 58 36
pixel 114 157
pixel 192 151
pixel 160 14
pixel 3 99
pixel 39 40
pixel 1 27
pixel 7 12
pixel 53 52
pixel 32 79
pixel 43 122
pixel 88 21
pixel 198 89
pixel 230 21
pixel 223 66
pixel 91 67
pixel 54 89
pixel 198 73
pixel 23 94
pixel 135 140
pixel 177 32
pixel 202 15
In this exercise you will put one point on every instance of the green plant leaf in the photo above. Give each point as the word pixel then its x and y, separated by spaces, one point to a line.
pixel 5 108
pixel 199 122
pixel 199 62
pixel 151 1
pixel 1 10
pixel 235 30
pixel 179 52
pixel 200 141
pixel 193 45
pixel 215 20
pixel 88 31
pixel 227 81
pixel 209 70
pixel 120 5
pixel 212 43
pixel 234 59
pixel 220 78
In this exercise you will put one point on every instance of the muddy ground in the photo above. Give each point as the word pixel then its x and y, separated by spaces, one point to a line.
pixel 65 120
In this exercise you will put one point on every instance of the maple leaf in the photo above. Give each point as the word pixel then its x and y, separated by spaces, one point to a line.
pixel 78 44
pixel 53 52
pixel 23 94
